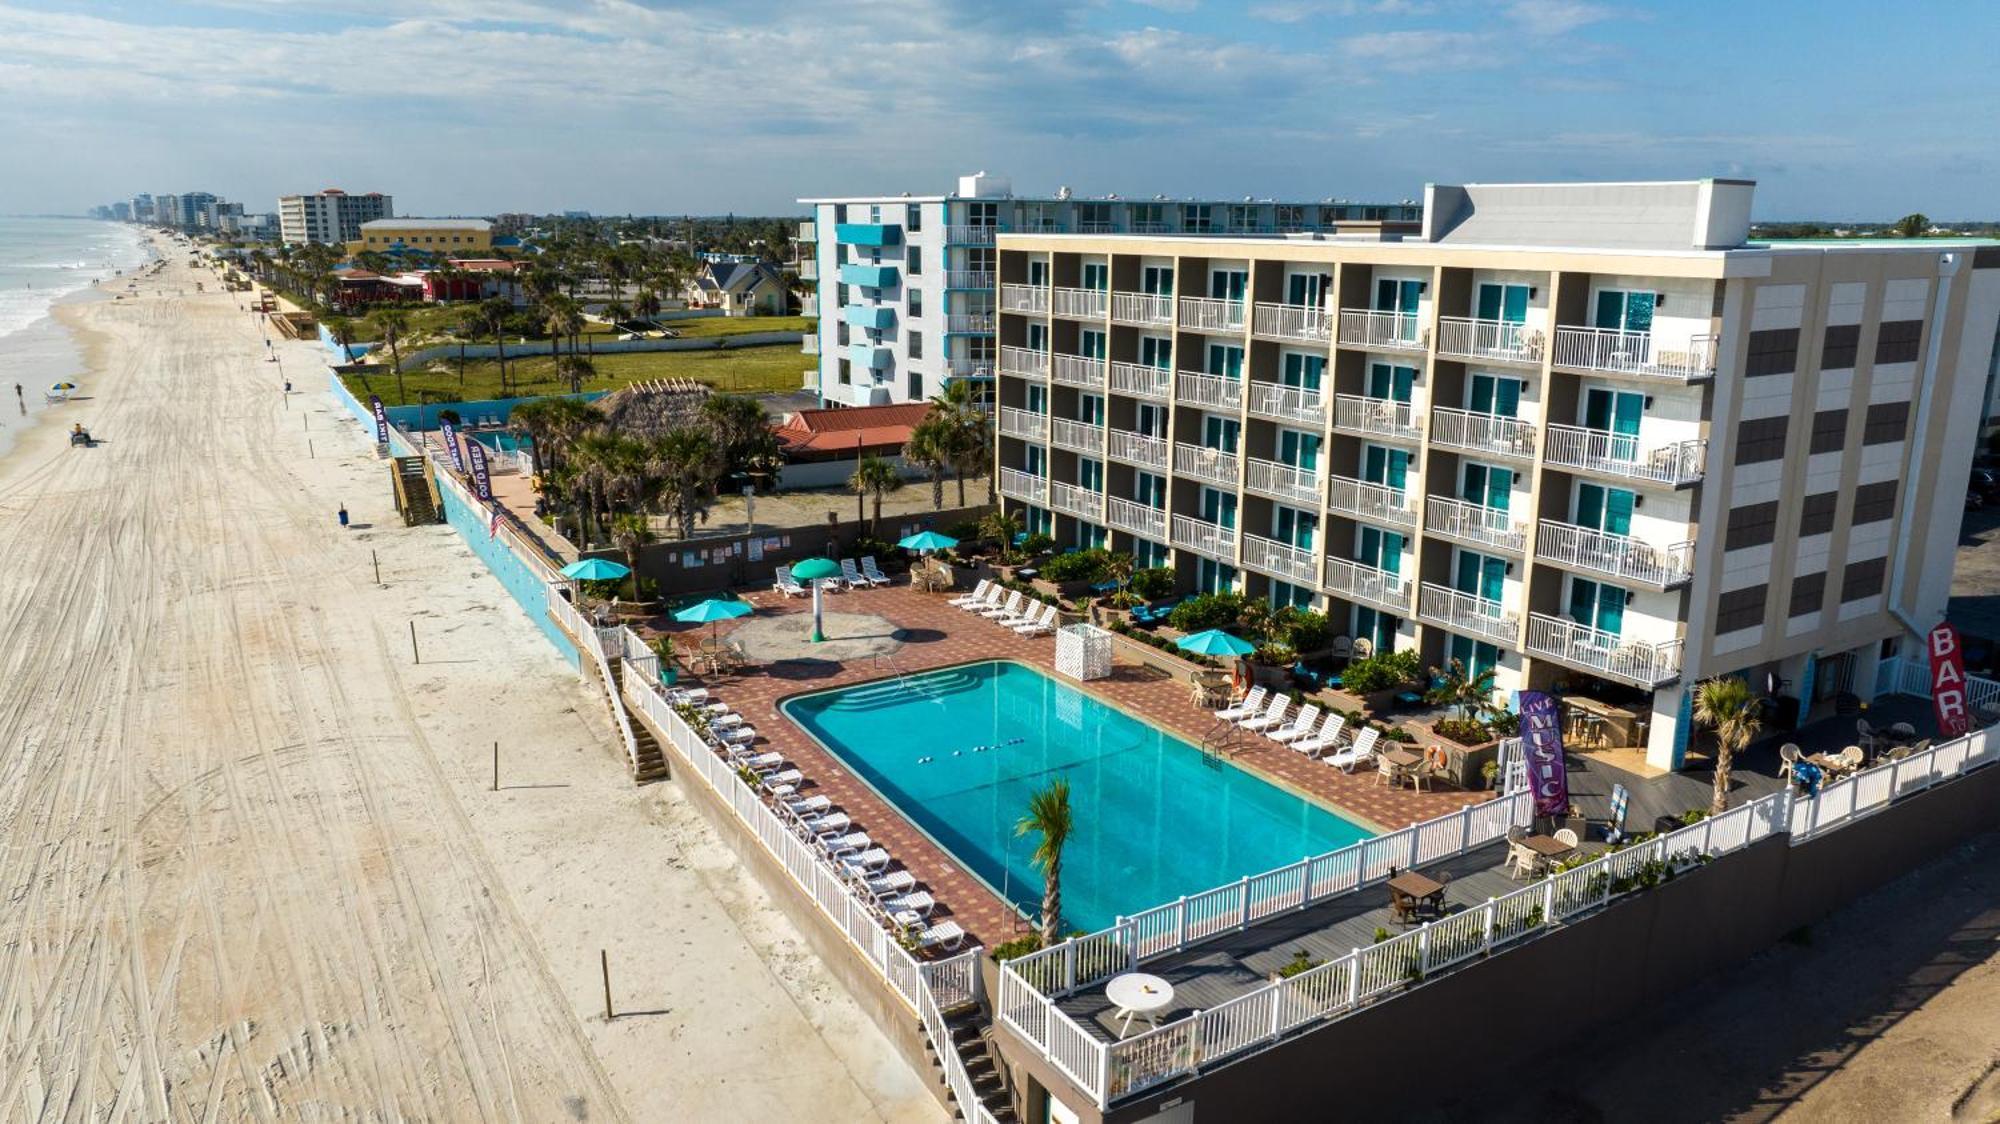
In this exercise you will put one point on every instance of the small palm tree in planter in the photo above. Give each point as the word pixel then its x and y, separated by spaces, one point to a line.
pixel 1049 816
pixel 1727 707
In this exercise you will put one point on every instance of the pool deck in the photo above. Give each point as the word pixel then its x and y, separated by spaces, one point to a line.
pixel 938 635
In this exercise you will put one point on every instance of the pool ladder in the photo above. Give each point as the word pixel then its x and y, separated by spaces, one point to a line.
pixel 1220 740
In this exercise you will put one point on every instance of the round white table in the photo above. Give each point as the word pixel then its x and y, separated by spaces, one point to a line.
pixel 1138 994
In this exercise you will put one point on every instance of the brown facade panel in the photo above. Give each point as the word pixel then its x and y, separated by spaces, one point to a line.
pixel 1841 348
pixel 1740 609
pixel 1896 341
pixel 1761 439
pixel 1773 351
pixel 1886 422
pixel 1816 514
pixel 1808 592
pixel 1752 525
pixel 1862 579
pixel 1874 503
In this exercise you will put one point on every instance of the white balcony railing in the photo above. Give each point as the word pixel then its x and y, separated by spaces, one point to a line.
pixel 1025 424
pixel 968 279
pixel 1016 297
pixel 1203 537
pixel 1482 433
pixel 1618 556
pixel 1283 481
pixel 1137 448
pixel 1080 436
pixel 1073 500
pixel 1288 403
pixel 1465 338
pixel 1086 304
pixel 1213 391
pixel 1466 613
pixel 1619 454
pixel 1382 331
pixel 1203 463
pixel 1377 503
pixel 809 344
pixel 1279 559
pixel 1077 370
pixel 1142 308
pixel 1016 484
pixel 969 323
pixel 1024 361
pixel 1383 417
pixel 1637 662
pixel 1302 322
pixel 1471 522
pixel 1137 518
pixel 1356 582
pixel 1210 314
pixel 809 269
pixel 969 368
pixel 970 235
pixel 1635 353
pixel 1142 381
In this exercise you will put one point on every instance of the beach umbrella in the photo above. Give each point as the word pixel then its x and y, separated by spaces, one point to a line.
pixel 595 570
pixel 812 570
pixel 927 541
pixel 713 611
pixel 1215 642
pixel 60 386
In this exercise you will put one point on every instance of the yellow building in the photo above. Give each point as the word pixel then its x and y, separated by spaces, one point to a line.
pixel 442 236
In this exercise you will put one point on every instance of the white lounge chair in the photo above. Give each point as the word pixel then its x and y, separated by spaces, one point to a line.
pixel 1011 609
pixel 1030 609
pixel 851 574
pixel 893 884
pixel 1252 703
pixel 833 823
pixel 735 735
pixel 1362 749
pixel 977 596
pixel 995 597
pixel 787 584
pixel 853 841
pixel 918 904
pixel 1327 738
pixel 763 762
pixel 1045 623
pixel 1273 716
pixel 783 784
pixel 945 933
pixel 1302 724
pixel 810 806
pixel 860 865
pixel 689 696
pixel 873 571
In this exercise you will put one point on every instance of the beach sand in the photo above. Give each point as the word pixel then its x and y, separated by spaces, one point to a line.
pixel 251 864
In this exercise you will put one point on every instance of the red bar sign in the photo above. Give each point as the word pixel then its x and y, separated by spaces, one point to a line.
pixel 1948 682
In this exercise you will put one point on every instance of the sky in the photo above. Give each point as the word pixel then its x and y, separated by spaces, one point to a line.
pixel 1838 108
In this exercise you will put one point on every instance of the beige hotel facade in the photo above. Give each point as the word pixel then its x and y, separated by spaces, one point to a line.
pixel 1587 435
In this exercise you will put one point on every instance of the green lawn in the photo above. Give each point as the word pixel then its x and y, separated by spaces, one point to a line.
pixel 743 370
pixel 739 325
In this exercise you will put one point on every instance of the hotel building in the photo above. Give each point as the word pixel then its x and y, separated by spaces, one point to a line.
pixel 905 284
pixel 1586 435
pixel 331 217
pixel 439 236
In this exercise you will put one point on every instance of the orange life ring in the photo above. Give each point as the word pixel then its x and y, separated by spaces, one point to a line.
pixel 1439 758
pixel 1238 678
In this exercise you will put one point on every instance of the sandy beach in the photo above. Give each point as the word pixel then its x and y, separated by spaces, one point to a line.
pixel 251 861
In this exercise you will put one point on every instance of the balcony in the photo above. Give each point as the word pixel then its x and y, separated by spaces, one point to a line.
pixel 1378 417
pixel 1474 523
pixel 1617 454
pixel 967 368
pixel 1147 522
pixel 1462 337
pixel 1617 556
pixel 1073 500
pixel 1016 297
pixel 1382 331
pixel 969 235
pixel 968 279
pixel 1096 227
pixel 809 269
pixel 1483 433
pixel 1212 391
pixel 1280 560
pixel 1603 653
pixel 869 356
pixel 880 317
pixel 1203 537
pixel 1153 309
pixel 809 343
pixel 1142 381
pixel 1135 448
pixel 1288 403
pixel 1354 581
pixel 1208 314
pixel 1080 304
pixel 1078 436
pixel 1024 361
pixel 1300 322
pixel 1283 481
pixel 1025 486
pixel 1376 503
pixel 1467 614
pixel 1642 354
pixel 808 231
pixel 809 304
pixel 1213 466
pixel 1077 370
pixel 868 234
pixel 969 323
pixel 1025 424
pixel 869 276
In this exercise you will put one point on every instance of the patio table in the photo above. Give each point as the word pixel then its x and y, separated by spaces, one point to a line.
pixel 1547 848
pixel 1411 892
pixel 1138 994
pixel 1402 761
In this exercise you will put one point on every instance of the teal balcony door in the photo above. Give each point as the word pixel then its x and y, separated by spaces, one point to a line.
pixel 1090 344
pixel 1157 280
pixel 1150 420
pixel 1385 466
pixel 1604 509
pixel 1090 474
pixel 1038 271
pixel 1225 360
pixel 1096 275
pixel 1480 576
pixel 1300 450
pixel 1038 337
pixel 1381 549
pixel 1290 525
pixel 1498 395
pixel 1218 506
pixel 1090 408
pixel 1597 605
pixel 1228 284
pixel 1156 352
pixel 1622 311
pixel 1476 656
pixel 1150 490
pixel 1487 485
pixel 1037 462
pixel 1220 432
pixel 1377 627
pixel 1616 412
pixel 1303 370
pixel 1403 298
pixel 1307 290
pixel 1505 303
pixel 1391 382
pixel 1037 401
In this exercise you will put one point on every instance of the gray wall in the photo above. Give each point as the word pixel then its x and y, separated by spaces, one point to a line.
pixel 601 347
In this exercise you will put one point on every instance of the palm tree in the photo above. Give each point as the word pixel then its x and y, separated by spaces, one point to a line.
pixel 1002 526
pixel 630 530
pixel 877 477
pixel 493 314
pixel 931 447
pixel 391 323
pixel 685 464
pixel 1726 706
pixel 743 438
pixel 574 369
pixel 972 446
pixel 341 329
pixel 1913 226
pixel 646 302
pixel 1049 816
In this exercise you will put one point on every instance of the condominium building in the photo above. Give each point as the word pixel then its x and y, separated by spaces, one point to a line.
pixel 1587 436
pixel 442 236
pixel 331 217
pixel 905 284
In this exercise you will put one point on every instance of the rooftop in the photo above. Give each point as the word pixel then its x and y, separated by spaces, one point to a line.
pixel 840 431
pixel 426 224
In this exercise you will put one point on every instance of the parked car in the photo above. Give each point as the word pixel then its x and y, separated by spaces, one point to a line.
pixel 1985 482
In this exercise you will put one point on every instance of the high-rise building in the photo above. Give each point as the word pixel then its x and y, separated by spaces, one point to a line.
pixel 905 283
pixel 331 216
pixel 121 211
pixel 193 210
pixel 166 210
pixel 142 207
pixel 1587 437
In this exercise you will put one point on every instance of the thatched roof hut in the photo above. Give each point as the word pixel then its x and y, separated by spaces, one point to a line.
pixel 650 409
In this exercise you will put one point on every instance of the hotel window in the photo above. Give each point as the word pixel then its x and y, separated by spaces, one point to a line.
pixel 916 387
pixel 1195 220
pixel 913 219
pixel 1150 489
pixel 1597 605
pixel 1157 280
pixel 1505 303
pixel 874 213
pixel 1147 554
pixel 845 376
pixel 840 212
pixel 1228 284
pixel 1618 310
pixel 915 258
pixel 1292 217
pixel 1285 594
pixel 1243 217
pixel 1096 275
pixel 1090 474
pixel 916 345
pixel 914 299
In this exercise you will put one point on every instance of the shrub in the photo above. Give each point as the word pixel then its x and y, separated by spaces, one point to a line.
pixel 1464 731
pixel 966 531
pixel 869 544
pixel 1399 735
pixel 1300 962
pixel 1152 584
pixel 1077 566
pixel 1018 947
pixel 1303 630
pixel 1208 610
pixel 1504 724
pixel 1381 672
pixel 1037 544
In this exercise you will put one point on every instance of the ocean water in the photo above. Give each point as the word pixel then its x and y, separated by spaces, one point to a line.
pixel 959 750
pixel 43 261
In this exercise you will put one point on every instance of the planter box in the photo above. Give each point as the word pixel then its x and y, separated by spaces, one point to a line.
pixel 1465 762
pixel 1139 652
pixel 1065 590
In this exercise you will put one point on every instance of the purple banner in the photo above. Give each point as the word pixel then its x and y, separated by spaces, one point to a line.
pixel 381 420
pixel 450 432
pixel 482 486
pixel 1542 744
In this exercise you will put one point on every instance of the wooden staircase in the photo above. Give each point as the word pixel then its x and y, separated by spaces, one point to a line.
pixel 971 1037
pixel 650 762
pixel 416 496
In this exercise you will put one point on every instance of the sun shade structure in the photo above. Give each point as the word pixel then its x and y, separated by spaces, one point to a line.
pixel 814 570
pixel 595 570
pixel 927 541
pixel 713 610
pixel 1215 642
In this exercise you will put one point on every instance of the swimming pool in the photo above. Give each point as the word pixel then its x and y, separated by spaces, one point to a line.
pixel 501 440
pixel 959 750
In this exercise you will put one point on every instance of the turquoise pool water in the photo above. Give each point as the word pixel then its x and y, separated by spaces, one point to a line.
pixel 959 750
pixel 503 441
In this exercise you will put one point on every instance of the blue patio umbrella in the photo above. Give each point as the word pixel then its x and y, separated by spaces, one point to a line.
pixel 1215 642
pixel 595 570
pixel 928 541
pixel 713 610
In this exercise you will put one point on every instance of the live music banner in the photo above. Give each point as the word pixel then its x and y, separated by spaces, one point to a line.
pixel 1541 742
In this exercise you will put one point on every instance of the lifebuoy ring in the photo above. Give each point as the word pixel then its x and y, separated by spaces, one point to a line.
pixel 1439 758
pixel 1239 678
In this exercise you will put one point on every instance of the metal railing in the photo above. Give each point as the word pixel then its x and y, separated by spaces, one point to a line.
pixel 1025 424
pixel 1141 380
pixel 968 279
pixel 1211 314
pixel 1083 304
pixel 1075 500
pixel 1484 433
pixel 1077 370
pixel 1138 448
pixel 1203 463
pixel 1213 391
pixel 1383 331
pixel 1024 361
pixel 1281 559
pixel 970 235
pixel 1363 499
pixel 1619 556
pixel 1288 403
pixel 1357 582
pixel 1488 526
pixel 1384 417
pixel 1620 454
pixel 969 323
pixel 967 368
pixel 1016 484
pixel 1302 322
pixel 1017 297
pixel 1635 353
pixel 1637 662
pixel 1467 613
pixel 1283 481
pixel 1464 337
pixel 1203 537
pixel 1137 518
pixel 1142 308
pixel 1081 436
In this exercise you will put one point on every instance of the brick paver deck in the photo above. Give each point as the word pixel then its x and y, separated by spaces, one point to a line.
pixel 939 635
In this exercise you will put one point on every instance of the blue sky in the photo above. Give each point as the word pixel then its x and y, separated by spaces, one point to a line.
pixel 1838 108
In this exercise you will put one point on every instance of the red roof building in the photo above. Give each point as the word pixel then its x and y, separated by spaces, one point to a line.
pixel 824 435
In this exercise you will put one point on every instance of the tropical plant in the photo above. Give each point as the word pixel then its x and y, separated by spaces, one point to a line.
pixel 1152 583
pixel 1038 544
pixel 1206 611
pixel 1381 672
pixel 970 446
pixel 749 451
pixel 1302 630
pixel 494 312
pixel 390 324
pixel 686 464
pixel 1913 225
pixel 1469 694
pixel 1727 707
pixel 630 531
pixel 1049 816
pixel 342 330
pixel 1002 527
pixel 1077 566
pixel 931 448
pixel 574 369
pixel 877 477
pixel 646 303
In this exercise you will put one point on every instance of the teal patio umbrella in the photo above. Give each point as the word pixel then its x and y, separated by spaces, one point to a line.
pixel 812 570
pixel 926 541
pixel 713 610
pixel 1215 642
pixel 595 570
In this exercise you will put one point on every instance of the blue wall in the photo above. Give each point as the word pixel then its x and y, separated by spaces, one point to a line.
pixel 425 417
pixel 352 352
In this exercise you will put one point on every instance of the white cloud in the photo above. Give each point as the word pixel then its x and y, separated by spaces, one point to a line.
pixel 1298 11
pixel 1416 51
pixel 1550 18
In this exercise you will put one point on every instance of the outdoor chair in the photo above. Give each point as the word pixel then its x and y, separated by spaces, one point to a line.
pixel 1327 737
pixel 1011 609
pixel 1044 623
pixel 860 865
pixel 1273 715
pixel 1342 648
pixel 1852 759
pixel 1568 838
pixel 1302 724
pixel 978 594
pixel 850 572
pixel 1362 749
pixel 782 784
pixel 1363 648
pixel 872 571
pixel 892 885
pixel 810 806
pixel 1251 704
pixel 787 584
pixel 945 934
